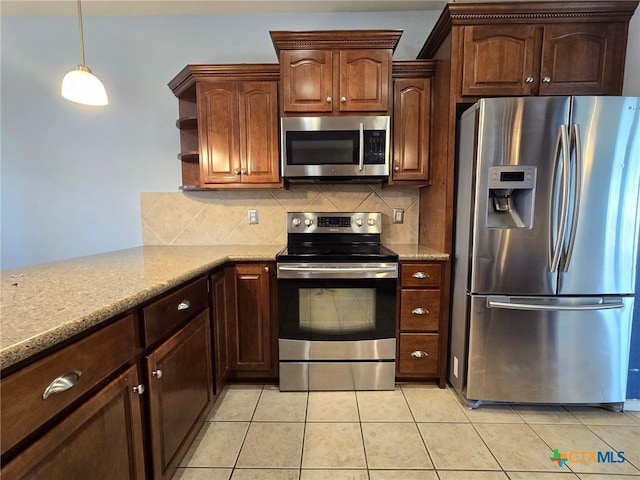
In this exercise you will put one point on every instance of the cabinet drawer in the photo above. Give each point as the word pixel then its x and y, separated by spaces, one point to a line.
pixel 420 275
pixel 86 362
pixel 411 358
pixel 165 314
pixel 419 310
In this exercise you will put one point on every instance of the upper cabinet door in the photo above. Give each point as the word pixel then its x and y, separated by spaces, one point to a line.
pixel 582 58
pixel 365 76
pixel 218 132
pixel 307 80
pixel 258 116
pixel 411 129
pixel 498 60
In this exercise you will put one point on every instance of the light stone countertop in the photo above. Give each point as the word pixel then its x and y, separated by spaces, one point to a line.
pixel 42 305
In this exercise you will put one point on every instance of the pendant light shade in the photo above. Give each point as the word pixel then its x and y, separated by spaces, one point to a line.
pixel 81 85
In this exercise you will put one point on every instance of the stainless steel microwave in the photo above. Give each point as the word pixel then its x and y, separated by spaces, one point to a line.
pixel 340 148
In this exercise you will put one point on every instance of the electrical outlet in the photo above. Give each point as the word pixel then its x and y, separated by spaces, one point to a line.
pixel 398 215
pixel 252 216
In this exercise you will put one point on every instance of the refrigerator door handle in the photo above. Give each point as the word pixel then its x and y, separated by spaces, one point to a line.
pixel 562 146
pixel 515 304
pixel 577 173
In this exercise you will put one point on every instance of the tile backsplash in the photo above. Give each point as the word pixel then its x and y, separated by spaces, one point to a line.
pixel 220 217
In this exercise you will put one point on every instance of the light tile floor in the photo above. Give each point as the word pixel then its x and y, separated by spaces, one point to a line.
pixel 411 433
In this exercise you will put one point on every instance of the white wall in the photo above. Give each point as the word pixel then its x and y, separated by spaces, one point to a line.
pixel 72 175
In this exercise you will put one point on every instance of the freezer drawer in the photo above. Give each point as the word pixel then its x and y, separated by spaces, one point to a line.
pixel 548 349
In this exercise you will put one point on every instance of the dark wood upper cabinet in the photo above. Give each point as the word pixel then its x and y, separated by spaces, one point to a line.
pixel 498 60
pixel 558 59
pixel 584 57
pixel 238 128
pixel 335 72
pixel 307 81
pixel 412 84
pixel 228 126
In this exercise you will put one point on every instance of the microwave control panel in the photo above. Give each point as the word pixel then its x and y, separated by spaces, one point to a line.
pixel 374 146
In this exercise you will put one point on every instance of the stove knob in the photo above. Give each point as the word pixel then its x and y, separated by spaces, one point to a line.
pixel 359 222
pixel 308 222
pixel 296 222
pixel 371 221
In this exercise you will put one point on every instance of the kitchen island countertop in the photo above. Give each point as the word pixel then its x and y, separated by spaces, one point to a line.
pixel 43 305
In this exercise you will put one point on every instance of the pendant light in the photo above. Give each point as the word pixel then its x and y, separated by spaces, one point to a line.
pixel 80 85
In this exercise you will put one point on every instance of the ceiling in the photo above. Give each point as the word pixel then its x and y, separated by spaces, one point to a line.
pixel 195 7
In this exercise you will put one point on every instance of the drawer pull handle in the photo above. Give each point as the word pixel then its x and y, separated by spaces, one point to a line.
pixel 183 305
pixel 139 389
pixel 62 383
pixel 157 373
pixel 420 311
pixel 419 354
pixel 420 275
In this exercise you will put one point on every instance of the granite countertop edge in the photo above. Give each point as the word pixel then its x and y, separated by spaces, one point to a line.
pixel 46 338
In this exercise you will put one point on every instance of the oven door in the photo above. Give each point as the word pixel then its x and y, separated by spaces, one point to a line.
pixel 339 302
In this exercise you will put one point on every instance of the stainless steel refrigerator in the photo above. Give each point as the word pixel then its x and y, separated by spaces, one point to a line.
pixel 546 238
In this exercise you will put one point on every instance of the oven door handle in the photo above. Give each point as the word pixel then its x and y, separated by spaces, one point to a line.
pixel 355 271
pixel 339 269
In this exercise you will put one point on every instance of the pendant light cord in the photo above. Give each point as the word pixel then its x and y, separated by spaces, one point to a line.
pixel 81 33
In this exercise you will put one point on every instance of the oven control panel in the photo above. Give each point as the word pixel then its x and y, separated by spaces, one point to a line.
pixel 334 222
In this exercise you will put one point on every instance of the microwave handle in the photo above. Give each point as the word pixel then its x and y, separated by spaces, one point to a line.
pixel 361 149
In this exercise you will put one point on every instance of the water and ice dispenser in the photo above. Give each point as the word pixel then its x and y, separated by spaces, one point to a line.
pixel 511 196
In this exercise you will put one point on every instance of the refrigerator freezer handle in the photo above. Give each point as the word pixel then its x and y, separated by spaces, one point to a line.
pixel 562 146
pixel 576 141
pixel 507 303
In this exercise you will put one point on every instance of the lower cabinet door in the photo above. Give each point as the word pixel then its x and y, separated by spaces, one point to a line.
pixel 180 393
pixel 101 440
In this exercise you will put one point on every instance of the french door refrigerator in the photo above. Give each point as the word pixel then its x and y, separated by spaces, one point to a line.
pixel 546 238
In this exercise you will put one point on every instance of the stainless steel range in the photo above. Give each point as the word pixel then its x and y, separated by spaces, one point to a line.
pixel 336 303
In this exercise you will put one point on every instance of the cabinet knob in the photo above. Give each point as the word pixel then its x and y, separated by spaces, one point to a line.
pixel 343 99
pixel 184 305
pixel 396 169
pixel 329 99
pixel 546 80
pixel 419 354
pixel 236 172
pixel 266 269
pixel 243 172
pixel 157 373
pixel 529 80
pixel 420 275
pixel 420 311
pixel 62 383
pixel 139 389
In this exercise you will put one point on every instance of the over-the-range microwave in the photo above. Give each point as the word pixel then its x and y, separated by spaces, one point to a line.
pixel 335 148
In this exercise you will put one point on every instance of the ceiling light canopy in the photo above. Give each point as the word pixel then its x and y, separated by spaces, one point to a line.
pixel 81 85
